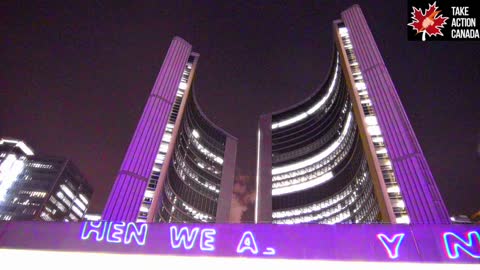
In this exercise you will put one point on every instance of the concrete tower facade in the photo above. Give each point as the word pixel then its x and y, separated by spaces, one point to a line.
pixel 150 179
pixel 346 154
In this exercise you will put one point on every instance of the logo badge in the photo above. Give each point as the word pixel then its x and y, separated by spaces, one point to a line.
pixel 430 22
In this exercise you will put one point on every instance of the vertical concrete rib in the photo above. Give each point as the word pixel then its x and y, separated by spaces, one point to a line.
pixel 422 199
pixel 136 167
pixel 263 202
pixel 228 177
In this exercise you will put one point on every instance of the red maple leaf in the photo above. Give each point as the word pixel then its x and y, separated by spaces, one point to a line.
pixel 430 23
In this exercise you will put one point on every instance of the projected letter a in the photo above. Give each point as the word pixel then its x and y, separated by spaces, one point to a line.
pixel 247 243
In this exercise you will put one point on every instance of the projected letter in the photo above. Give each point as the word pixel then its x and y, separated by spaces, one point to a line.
pixel 207 240
pixel 140 234
pixel 470 246
pixel 115 235
pixel 94 227
pixel 247 243
pixel 184 236
pixel 391 245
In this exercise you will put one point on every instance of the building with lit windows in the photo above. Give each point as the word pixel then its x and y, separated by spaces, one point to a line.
pixel 346 154
pixel 179 166
pixel 40 187
pixel 92 217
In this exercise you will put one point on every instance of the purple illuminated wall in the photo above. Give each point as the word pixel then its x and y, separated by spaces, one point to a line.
pixel 127 192
pixel 422 198
pixel 372 243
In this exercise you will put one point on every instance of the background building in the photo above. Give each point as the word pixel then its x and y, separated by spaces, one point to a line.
pixel 348 153
pixel 92 217
pixel 475 217
pixel 461 219
pixel 179 167
pixel 40 187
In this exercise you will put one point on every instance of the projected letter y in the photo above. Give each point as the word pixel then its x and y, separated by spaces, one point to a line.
pixel 391 245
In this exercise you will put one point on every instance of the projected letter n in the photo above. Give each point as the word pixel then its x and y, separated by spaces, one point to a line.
pixel 470 245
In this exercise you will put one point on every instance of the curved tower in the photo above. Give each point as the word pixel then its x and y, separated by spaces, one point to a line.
pixel 179 167
pixel 346 154
pixel 200 173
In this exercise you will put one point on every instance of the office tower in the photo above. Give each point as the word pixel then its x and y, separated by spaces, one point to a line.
pixel 346 154
pixel 179 166
pixel 36 187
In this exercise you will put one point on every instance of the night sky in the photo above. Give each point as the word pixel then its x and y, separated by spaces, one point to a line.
pixel 74 78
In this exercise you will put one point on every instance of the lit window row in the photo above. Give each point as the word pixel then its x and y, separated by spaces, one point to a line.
pixel 50 211
pixel 72 197
pixel 330 149
pixel 349 195
pixel 10 169
pixel 58 204
pixel 393 189
pixel 18 144
pixel 172 209
pixel 184 81
pixel 163 147
pixel 332 215
pixel 317 169
pixel 207 152
pixel 83 198
pixel 302 150
pixel 405 219
pixel 185 207
pixel 332 86
pixel 338 218
pixel 366 211
pixel 45 216
pixel 39 165
pixel 185 170
pixel 73 217
pixel 197 214
pixel 67 191
pixel 62 197
pixel 77 211
pixel 337 208
pixel 149 194
pixel 209 168
pixel 80 204
pixel 364 197
pixel 302 185
pixel 204 162
pixel 5 217
pixel 314 207
pixel 316 145
pixel 35 194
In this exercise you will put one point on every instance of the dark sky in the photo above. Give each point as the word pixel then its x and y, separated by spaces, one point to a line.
pixel 74 78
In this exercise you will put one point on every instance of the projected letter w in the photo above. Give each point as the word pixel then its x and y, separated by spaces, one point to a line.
pixel 184 236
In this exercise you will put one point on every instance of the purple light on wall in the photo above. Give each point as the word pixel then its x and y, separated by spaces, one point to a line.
pixel 127 192
pixel 422 198
pixel 356 243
